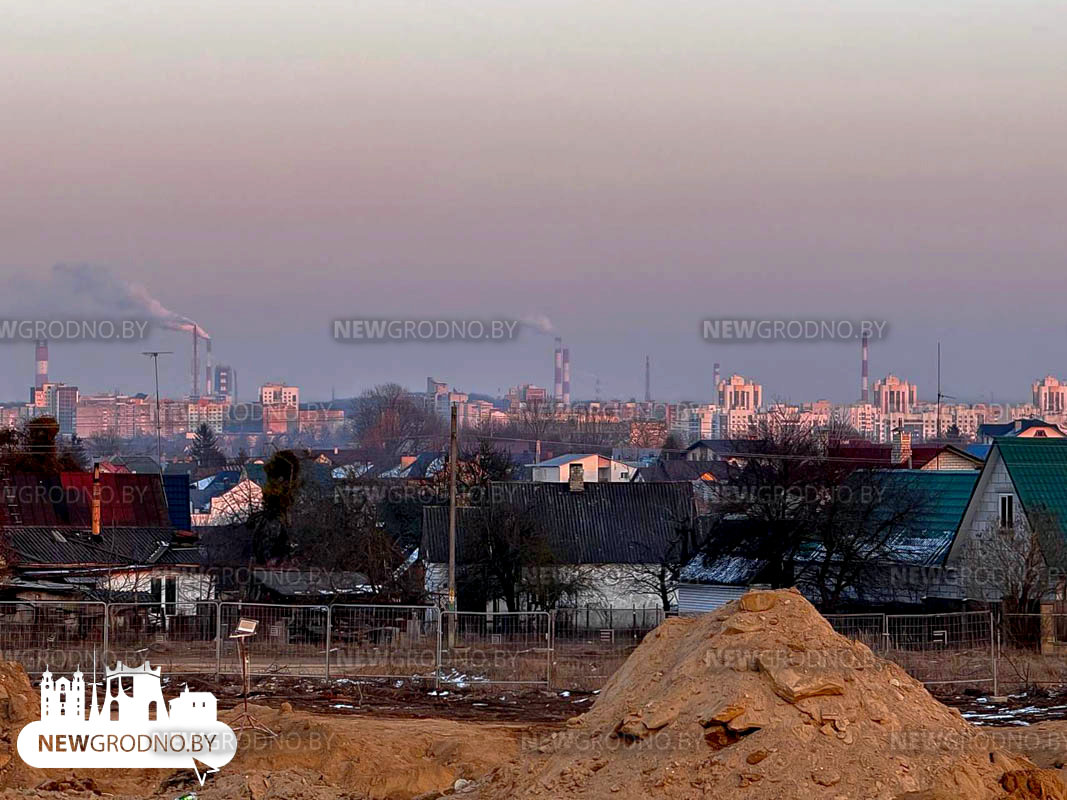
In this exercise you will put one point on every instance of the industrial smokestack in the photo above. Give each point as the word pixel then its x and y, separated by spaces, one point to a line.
pixel 648 379
pixel 41 377
pixel 557 387
pixel 196 368
pixel 566 376
pixel 864 393
pixel 715 379
pixel 209 388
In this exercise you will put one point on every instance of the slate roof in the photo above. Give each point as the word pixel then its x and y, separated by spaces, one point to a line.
pixel 606 523
pixel 314 583
pixel 36 545
pixel 678 469
pixel 65 500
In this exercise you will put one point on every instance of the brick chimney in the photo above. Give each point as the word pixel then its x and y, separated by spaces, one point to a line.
pixel 577 478
pixel 901 447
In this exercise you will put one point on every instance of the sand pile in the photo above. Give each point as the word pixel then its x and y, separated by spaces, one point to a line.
pixel 764 701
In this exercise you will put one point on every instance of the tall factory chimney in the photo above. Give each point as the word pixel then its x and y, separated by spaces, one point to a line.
pixel 864 392
pixel 196 368
pixel 566 376
pixel 41 377
pixel 557 387
pixel 715 380
pixel 209 389
pixel 648 379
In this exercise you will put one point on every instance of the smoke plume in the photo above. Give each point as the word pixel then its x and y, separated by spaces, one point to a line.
pixel 110 291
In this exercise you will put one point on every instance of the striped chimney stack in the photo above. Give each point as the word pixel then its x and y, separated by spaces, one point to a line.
pixel 557 387
pixel 566 376
pixel 864 392
pixel 41 377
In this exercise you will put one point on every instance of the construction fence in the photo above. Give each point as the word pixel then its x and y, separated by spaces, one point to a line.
pixel 571 649
pixel 941 650
pixel 574 649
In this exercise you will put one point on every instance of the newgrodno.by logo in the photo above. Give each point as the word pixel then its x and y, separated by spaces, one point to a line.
pixel 131 729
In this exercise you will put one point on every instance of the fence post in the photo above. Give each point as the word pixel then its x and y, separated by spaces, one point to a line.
pixel 107 623
pixel 551 645
pixel 885 633
pixel 437 655
pixel 329 623
pixel 218 640
pixel 993 654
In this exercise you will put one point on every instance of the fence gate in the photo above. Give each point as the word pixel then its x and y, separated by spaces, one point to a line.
pixel 382 641
pixel 58 635
pixel 290 640
pixel 180 637
pixel 513 647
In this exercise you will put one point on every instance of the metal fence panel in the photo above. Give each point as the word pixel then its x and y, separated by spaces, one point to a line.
pixel 290 639
pixel 58 635
pixel 383 641
pixel 589 644
pixel 181 638
pixel 867 628
pixel 512 647
pixel 941 649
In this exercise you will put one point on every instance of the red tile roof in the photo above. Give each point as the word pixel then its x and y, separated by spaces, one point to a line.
pixel 65 500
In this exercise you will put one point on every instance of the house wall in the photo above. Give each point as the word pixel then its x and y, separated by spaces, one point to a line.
pixel 611 586
pixel 191 585
pixel 947 461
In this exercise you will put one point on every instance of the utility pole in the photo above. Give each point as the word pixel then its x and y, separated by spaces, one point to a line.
pixel 154 355
pixel 452 530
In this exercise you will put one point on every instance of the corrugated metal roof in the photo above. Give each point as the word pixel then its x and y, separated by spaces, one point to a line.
pixel 34 545
pixel 1038 468
pixel 606 523
pixel 66 500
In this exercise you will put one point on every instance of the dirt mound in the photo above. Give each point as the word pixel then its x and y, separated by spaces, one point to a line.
pixel 763 700
pixel 19 705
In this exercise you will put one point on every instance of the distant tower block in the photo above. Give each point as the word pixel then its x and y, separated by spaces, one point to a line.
pixel 41 377
pixel 566 376
pixel 865 395
pixel 648 379
pixel 715 377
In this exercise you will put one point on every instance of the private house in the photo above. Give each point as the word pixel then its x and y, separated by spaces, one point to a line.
pixel 595 469
pixel 613 535
pixel 1020 428
pixel 910 572
pixel 1018 507
pixel 104 537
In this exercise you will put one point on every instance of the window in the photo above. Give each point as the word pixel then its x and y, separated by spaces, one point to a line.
pixel 1007 511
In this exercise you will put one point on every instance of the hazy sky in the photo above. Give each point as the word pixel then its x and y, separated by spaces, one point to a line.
pixel 624 168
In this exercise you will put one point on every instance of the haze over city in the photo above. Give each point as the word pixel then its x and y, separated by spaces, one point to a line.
pixel 621 170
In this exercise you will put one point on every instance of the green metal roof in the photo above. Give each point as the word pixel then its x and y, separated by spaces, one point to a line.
pixel 943 496
pixel 1038 468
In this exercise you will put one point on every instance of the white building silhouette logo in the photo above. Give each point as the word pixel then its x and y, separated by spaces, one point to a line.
pixel 130 728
